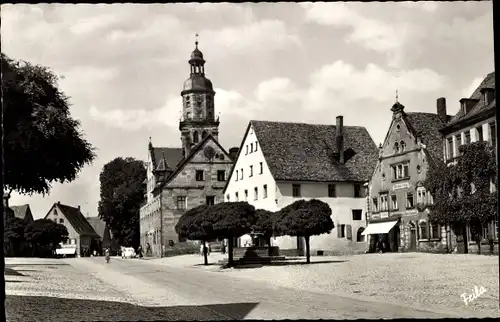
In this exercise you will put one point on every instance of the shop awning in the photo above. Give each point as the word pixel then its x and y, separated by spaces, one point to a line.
pixel 379 228
pixel 66 251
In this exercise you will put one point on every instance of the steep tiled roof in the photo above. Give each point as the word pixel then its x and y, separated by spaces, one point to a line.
pixel 488 82
pixel 305 152
pixel 20 211
pixel 77 220
pixel 426 126
pixel 173 156
pixel 98 225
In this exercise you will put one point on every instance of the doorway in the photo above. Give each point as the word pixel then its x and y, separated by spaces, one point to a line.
pixel 413 236
pixel 461 235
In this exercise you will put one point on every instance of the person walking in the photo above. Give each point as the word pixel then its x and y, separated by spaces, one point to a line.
pixel 106 253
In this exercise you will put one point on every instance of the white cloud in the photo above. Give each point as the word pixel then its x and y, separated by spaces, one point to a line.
pixel 373 83
pixel 467 92
pixel 277 89
pixel 264 35
pixel 428 6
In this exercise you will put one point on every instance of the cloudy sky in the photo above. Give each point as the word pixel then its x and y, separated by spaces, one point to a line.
pixel 124 65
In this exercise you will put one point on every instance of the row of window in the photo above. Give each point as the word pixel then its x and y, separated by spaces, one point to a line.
pixel 345 231
pixel 400 171
pixel 181 203
pixel 255 194
pixel 399 147
pixel 69 241
pixel 239 173
pixel 429 230
pixel 453 151
pixel 381 203
pixel 200 175
pixel 253 147
pixel 61 220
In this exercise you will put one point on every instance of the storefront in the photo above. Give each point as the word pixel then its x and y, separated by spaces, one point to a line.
pixel 383 234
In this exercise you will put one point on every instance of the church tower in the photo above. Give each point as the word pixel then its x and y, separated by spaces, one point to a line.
pixel 198 114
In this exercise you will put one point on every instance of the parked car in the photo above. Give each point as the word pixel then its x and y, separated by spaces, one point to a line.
pixel 128 252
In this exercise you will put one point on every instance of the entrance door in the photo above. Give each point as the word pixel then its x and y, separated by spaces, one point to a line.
pixel 413 237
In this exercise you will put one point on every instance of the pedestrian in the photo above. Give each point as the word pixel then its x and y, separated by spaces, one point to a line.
pixel 106 252
pixel 223 248
pixel 209 249
pixel 201 249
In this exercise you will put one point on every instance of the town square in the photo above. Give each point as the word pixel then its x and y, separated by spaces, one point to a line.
pixel 249 161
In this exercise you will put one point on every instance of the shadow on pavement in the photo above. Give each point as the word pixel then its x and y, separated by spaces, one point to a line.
pixel 43 308
pixel 303 262
pixel 12 272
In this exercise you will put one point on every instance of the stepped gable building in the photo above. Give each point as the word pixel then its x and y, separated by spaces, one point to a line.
pixel 280 162
pixel 398 200
pixel 180 178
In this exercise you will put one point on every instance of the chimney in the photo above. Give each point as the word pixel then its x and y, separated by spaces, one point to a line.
pixel 58 202
pixel 340 138
pixel 78 207
pixel 488 95
pixel 441 109
pixel 233 153
pixel 466 104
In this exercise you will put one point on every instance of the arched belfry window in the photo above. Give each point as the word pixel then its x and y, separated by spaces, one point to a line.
pixel 204 134
pixel 403 145
pixel 195 137
pixel 396 147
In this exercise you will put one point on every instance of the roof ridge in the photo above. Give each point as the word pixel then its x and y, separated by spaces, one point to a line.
pixel 312 124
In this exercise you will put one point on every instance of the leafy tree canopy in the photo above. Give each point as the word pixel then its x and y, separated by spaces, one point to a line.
pixel 189 226
pixel 229 219
pixel 14 229
pixel 264 222
pixel 45 232
pixel 122 192
pixel 305 218
pixel 461 191
pixel 38 126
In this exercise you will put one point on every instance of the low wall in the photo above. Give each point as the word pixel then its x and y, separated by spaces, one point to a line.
pixel 255 251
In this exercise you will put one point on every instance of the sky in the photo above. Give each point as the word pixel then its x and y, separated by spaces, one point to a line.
pixel 123 66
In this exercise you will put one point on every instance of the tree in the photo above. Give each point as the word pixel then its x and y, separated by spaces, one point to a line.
pixel 122 193
pixel 45 233
pixel 13 235
pixel 264 223
pixel 462 192
pixel 305 219
pixel 37 126
pixel 190 226
pixel 228 220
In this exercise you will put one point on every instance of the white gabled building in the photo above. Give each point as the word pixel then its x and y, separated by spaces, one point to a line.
pixel 281 162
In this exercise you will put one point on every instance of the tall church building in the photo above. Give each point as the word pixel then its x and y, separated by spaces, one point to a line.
pixel 195 174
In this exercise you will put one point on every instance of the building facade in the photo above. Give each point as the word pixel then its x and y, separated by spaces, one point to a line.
pixel 102 229
pixel 475 121
pixel 82 238
pixel 179 179
pixel 279 163
pixel 398 199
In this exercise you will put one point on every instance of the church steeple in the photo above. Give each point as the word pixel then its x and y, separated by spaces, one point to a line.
pixel 198 112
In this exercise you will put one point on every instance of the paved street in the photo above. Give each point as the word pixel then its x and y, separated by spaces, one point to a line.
pixel 150 290
pixel 159 285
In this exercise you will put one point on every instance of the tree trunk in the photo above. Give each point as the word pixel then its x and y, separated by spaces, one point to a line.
pixel 308 251
pixel 230 252
pixel 205 251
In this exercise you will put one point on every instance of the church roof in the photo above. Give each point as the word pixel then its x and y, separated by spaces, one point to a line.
pixel 306 152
